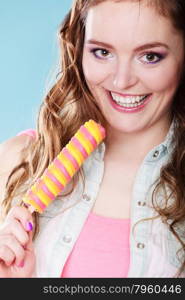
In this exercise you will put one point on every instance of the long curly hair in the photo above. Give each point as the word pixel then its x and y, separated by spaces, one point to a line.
pixel 70 103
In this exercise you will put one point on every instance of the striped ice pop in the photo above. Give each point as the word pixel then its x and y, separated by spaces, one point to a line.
pixel 64 166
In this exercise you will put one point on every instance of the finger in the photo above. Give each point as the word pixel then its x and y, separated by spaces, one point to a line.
pixel 21 214
pixel 12 243
pixel 6 255
pixel 16 229
pixel 29 245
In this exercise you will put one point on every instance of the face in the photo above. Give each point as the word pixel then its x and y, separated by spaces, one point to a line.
pixel 132 60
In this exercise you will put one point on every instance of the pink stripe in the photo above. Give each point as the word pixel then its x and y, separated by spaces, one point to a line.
pixel 54 179
pixel 87 134
pixel 79 146
pixel 62 168
pixel 43 187
pixel 102 129
pixel 66 152
pixel 36 199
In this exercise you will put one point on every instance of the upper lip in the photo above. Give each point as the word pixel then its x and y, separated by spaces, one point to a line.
pixel 128 95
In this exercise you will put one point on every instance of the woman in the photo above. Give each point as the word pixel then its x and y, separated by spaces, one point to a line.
pixel 123 66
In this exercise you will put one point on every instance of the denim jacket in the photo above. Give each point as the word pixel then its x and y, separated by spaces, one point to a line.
pixel 152 246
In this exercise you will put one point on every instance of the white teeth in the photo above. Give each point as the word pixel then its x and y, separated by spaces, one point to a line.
pixel 128 101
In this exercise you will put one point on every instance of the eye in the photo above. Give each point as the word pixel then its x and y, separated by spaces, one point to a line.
pixel 151 58
pixel 101 53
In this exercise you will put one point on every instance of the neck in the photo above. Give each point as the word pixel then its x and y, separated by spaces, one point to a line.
pixel 135 146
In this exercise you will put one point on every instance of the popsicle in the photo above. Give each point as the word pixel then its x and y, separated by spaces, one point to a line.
pixel 64 166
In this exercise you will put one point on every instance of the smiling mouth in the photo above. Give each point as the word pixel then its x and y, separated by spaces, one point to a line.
pixel 129 101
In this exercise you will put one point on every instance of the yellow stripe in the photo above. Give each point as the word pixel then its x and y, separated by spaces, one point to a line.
pixel 75 153
pixel 50 185
pixel 90 128
pixel 93 128
pixel 88 142
pixel 26 199
pixel 84 142
pixel 58 174
pixel 67 164
pixel 42 196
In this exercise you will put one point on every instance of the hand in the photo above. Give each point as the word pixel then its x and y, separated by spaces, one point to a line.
pixel 17 257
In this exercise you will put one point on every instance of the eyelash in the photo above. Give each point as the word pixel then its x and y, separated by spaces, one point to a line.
pixel 158 55
pixel 94 50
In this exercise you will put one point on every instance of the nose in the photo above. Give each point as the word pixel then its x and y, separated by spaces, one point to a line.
pixel 124 75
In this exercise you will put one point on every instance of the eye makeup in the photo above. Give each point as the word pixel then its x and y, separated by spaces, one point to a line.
pixel 149 57
pixel 152 57
pixel 103 53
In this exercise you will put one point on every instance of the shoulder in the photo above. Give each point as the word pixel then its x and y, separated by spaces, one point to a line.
pixel 11 154
pixel 12 150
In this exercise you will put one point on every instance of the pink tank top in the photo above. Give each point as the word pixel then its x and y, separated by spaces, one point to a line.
pixel 101 250
pixel 30 132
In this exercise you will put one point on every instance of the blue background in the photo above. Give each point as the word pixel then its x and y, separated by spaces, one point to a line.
pixel 28 59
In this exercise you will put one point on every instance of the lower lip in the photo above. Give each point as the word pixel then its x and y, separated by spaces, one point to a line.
pixel 131 109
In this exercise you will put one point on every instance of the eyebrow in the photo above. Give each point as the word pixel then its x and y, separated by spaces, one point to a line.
pixel 140 48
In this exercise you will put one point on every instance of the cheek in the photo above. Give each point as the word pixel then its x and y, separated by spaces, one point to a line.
pixel 162 80
pixel 95 72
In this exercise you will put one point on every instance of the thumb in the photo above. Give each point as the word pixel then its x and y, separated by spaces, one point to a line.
pixel 29 245
pixel 29 260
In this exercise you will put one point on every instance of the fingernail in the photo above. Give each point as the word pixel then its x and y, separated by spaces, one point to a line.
pixel 29 226
pixel 21 265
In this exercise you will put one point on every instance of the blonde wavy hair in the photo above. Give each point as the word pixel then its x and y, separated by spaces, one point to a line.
pixel 70 103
